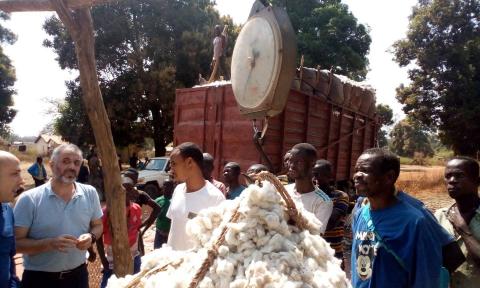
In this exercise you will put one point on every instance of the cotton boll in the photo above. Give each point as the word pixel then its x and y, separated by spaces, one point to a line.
pixel 223 250
pixel 260 231
pixel 206 283
pixel 239 283
pixel 274 244
pixel 231 238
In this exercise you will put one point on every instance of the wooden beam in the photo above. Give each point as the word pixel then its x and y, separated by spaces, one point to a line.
pixel 44 5
pixel 80 26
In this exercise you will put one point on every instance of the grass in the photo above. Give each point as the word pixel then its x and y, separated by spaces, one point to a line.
pixel 426 184
pixel 438 159
pixel 27 156
pixel 421 179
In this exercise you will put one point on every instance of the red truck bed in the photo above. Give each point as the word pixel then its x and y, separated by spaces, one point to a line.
pixel 209 117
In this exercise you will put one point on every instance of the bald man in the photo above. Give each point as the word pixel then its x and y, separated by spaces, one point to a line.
pixel 10 183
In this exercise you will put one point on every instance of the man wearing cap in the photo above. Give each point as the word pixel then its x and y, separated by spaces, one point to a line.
pixel 56 223
pixel 104 244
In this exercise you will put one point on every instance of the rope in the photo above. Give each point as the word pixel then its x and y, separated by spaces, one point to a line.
pixel 212 253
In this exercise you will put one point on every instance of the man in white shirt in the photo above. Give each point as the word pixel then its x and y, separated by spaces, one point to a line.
pixel 300 165
pixel 190 197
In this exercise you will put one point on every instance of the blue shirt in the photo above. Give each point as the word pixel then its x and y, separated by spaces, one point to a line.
pixel 235 192
pixel 35 171
pixel 440 234
pixel 47 216
pixel 7 248
pixel 407 255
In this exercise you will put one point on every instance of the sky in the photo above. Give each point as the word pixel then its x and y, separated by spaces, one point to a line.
pixel 40 79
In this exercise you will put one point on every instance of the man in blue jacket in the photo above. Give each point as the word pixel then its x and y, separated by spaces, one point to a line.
pixel 392 240
pixel 38 172
pixel 10 183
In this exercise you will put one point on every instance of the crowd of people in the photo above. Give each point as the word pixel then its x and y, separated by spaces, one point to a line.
pixel 382 236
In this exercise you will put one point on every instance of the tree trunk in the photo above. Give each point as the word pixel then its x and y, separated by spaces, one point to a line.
pixel 158 133
pixel 80 27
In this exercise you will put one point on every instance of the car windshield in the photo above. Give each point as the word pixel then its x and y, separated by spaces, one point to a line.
pixel 156 164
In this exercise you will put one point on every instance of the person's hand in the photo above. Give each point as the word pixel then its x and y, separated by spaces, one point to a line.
pixel 105 263
pixel 63 242
pixel 457 220
pixel 84 241
pixel 92 256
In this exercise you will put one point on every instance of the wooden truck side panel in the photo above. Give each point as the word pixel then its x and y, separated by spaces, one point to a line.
pixel 209 117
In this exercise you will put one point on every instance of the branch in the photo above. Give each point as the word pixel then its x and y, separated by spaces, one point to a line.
pixel 44 5
pixel 65 15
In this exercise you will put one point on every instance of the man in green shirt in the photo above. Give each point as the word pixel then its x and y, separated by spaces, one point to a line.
pixel 462 219
pixel 163 222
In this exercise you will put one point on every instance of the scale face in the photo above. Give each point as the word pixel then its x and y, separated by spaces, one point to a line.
pixel 254 66
pixel 263 63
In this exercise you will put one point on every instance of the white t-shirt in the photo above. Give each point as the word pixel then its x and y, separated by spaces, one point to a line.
pixel 185 206
pixel 316 202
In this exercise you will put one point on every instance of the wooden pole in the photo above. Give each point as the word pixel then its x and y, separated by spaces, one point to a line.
pixel 44 5
pixel 80 26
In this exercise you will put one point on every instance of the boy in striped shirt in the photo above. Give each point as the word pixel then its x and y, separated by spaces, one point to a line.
pixel 322 175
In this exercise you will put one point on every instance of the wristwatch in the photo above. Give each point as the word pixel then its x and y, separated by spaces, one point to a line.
pixel 94 238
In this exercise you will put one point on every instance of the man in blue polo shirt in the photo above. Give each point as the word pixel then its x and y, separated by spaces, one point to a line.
pixel 10 183
pixel 392 240
pixel 56 223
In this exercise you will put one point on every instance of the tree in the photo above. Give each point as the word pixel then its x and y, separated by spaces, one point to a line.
pixel 443 43
pixel 329 35
pixel 145 50
pixel 408 136
pixel 385 115
pixel 7 80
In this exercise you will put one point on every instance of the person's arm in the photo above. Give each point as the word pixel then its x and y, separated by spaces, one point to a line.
pixel 29 246
pixel 44 172
pixel 461 226
pixel 452 256
pixel 472 244
pixel 31 169
pixel 85 241
pixel 340 210
pixel 101 252
pixel 153 215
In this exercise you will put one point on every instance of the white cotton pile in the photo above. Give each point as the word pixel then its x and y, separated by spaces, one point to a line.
pixel 262 249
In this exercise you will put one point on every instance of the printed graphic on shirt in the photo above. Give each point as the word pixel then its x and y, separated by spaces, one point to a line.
pixel 366 252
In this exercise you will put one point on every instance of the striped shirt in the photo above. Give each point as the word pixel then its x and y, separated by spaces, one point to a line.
pixel 335 235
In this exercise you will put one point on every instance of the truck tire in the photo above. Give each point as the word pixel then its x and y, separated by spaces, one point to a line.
pixel 152 190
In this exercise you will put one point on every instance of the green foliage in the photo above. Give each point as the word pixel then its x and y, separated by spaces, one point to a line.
pixel 443 43
pixel 144 50
pixel 7 80
pixel 408 137
pixel 385 114
pixel 329 35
